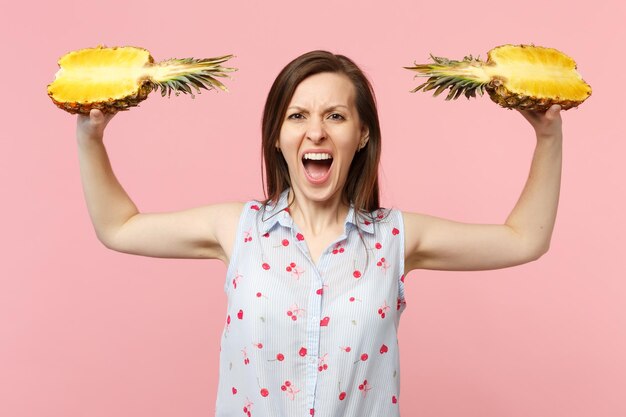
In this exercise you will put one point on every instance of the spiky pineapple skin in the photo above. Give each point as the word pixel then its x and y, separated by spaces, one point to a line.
pixel 109 106
pixel 507 99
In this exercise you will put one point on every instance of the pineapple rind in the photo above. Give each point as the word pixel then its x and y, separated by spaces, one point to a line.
pixel 106 106
pixel 118 78
pixel 522 77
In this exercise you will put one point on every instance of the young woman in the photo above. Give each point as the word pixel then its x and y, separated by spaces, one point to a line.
pixel 315 279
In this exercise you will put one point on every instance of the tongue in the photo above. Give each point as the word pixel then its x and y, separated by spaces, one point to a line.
pixel 317 169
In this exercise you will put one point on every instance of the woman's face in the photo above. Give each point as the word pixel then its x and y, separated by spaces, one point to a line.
pixel 320 134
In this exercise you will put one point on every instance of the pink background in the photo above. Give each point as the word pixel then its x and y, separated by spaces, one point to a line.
pixel 85 331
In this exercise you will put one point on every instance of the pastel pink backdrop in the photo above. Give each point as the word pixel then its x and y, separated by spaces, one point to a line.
pixel 85 331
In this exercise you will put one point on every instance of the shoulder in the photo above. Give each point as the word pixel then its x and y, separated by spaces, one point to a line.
pixel 230 208
pixel 390 217
pixel 244 214
pixel 239 218
pixel 225 215
pixel 382 220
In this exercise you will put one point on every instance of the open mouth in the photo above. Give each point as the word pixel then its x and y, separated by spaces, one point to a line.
pixel 317 165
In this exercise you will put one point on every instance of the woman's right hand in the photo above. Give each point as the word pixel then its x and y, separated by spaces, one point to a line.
pixel 91 127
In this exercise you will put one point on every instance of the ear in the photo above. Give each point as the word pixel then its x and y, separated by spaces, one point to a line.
pixel 365 137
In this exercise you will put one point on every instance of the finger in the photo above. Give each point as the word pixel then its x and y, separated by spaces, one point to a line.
pixel 531 116
pixel 96 116
pixel 553 112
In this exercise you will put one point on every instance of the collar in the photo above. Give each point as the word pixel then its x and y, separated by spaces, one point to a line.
pixel 279 213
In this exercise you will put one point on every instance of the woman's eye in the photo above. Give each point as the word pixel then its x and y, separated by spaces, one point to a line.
pixel 336 116
pixel 295 116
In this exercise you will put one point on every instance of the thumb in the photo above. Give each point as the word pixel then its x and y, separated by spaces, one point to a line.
pixel 553 112
pixel 96 116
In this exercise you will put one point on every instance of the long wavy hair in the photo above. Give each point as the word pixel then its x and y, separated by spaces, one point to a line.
pixel 361 188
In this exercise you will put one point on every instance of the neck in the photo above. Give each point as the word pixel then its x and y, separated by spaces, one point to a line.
pixel 317 217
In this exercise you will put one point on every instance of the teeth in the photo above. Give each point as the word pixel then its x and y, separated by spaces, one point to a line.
pixel 317 156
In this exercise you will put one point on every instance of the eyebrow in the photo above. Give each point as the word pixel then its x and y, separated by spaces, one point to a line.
pixel 333 107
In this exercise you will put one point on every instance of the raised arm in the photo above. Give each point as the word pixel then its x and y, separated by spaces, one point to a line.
pixel 435 243
pixel 202 232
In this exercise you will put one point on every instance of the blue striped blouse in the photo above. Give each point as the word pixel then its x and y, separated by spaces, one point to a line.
pixel 302 339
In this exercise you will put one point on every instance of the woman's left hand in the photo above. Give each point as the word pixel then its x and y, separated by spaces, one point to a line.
pixel 547 125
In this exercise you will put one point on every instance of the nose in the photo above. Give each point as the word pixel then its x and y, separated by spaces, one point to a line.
pixel 315 131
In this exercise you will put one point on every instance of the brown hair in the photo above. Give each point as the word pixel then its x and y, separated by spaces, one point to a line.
pixel 361 188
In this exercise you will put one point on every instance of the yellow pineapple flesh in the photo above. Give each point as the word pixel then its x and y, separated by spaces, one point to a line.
pixel 117 78
pixel 524 77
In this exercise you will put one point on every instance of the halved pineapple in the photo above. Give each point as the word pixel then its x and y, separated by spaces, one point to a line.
pixel 117 78
pixel 524 77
